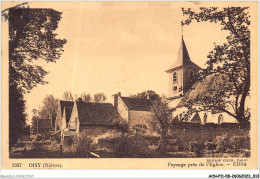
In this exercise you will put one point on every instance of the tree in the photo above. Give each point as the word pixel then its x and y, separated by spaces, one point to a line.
pixel 31 39
pixel 162 116
pixel 17 115
pixel 86 97
pixel 67 96
pixel 50 106
pixel 149 94
pixel 99 97
pixel 229 61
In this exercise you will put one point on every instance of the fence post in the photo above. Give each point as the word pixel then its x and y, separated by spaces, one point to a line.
pixel 60 150
pixel 87 153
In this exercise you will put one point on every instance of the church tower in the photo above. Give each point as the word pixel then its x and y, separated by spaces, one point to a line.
pixel 182 73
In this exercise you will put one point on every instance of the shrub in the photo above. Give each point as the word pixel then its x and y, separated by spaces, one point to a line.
pixel 140 129
pixel 82 144
pixel 235 143
pixel 53 146
pixel 193 146
pixel 132 146
pixel 223 143
pixel 68 141
pixel 210 145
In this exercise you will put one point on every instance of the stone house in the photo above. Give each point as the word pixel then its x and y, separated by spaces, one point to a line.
pixel 63 114
pixel 95 118
pixel 136 112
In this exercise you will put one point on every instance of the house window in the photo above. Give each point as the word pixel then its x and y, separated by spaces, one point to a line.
pixel 174 77
pixel 220 119
pixel 175 88
pixel 205 118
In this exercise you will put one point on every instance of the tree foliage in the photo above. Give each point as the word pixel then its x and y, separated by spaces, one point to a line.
pixel 162 116
pixel 230 61
pixel 49 107
pixel 31 40
pixel 67 96
pixel 86 97
pixel 149 94
pixel 100 97
pixel 17 115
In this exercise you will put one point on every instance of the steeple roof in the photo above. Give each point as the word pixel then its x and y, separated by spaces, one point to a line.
pixel 183 59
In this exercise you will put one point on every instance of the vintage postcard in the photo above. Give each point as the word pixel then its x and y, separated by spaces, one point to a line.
pixel 129 85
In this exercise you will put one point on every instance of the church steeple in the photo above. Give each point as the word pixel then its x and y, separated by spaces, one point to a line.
pixel 183 58
pixel 181 73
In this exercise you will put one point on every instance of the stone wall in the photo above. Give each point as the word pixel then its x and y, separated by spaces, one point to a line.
pixel 186 132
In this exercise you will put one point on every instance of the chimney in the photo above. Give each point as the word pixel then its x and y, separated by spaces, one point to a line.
pixel 116 99
pixel 79 99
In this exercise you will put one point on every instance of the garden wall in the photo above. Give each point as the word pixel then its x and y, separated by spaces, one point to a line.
pixel 186 132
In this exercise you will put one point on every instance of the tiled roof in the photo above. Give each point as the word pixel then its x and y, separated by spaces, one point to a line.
pixel 97 113
pixel 68 111
pixel 66 103
pixel 183 59
pixel 44 123
pixel 137 104
pixel 202 88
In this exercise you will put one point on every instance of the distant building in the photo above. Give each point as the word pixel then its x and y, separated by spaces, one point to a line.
pixel 136 112
pixel 64 107
pixel 95 118
pixel 183 87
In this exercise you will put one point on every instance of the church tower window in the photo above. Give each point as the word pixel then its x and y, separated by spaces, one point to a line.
pixel 174 77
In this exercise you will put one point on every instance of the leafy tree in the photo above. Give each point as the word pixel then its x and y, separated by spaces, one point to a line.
pixel 31 40
pixel 50 106
pixel 229 61
pixel 99 97
pixel 67 96
pixel 149 94
pixel 17 115
pixel 162 119
pixel 86 97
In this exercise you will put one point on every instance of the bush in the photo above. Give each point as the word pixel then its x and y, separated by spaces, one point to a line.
pixel 232 144
pixel 82 144
pixel 68 141
pixel 132 146
pixel 193 146
pixel 235 143
pixel 223 143
pixel 210 145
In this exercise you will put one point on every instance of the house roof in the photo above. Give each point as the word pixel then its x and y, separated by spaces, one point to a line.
pixel 97 113
pixel 68 111
pixel 137 104
pixel 66 104
pixel 202 88
pixel 44 123
pixel 183 59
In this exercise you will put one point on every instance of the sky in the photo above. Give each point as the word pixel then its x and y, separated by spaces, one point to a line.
pixel 121 47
